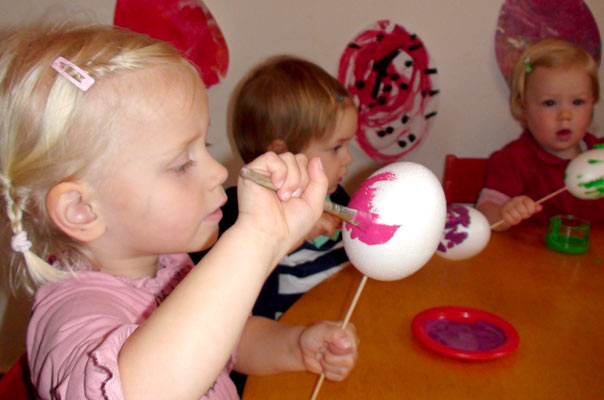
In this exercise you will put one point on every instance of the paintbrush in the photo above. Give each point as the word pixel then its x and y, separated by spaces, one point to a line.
pixel 361 219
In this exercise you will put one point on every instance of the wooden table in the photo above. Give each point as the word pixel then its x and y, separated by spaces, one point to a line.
pixel 554 300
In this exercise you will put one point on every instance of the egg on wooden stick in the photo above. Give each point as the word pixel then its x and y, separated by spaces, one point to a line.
pixel 406 210
pixel 467 232
pixel 409 212
pixel 584 176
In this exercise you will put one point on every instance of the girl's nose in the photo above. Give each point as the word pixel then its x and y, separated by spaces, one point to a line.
pixel 217 173
pixel 346 155
pixel 564 113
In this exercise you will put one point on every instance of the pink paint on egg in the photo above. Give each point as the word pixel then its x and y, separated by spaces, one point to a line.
pixel 408 207
pixel 362 200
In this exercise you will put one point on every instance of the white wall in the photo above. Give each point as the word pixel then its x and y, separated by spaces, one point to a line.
pixel 473 117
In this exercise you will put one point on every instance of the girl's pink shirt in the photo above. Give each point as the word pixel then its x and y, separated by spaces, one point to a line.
pixel 79 325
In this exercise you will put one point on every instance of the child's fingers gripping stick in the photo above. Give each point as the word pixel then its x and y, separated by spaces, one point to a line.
pixel 519 208
pixel 316 190
pixel 326 225
pixel 286 173
pixel 329 349
pixel 292 180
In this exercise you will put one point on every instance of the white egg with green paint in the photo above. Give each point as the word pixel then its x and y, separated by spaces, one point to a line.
pixel 584 176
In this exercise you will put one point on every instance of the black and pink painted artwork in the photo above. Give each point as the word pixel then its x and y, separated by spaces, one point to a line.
pixel 187 24
pixel 522 22
pixel 393 82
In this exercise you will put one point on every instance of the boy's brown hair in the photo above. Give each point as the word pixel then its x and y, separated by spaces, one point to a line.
pixel 285 98
pixel 549 53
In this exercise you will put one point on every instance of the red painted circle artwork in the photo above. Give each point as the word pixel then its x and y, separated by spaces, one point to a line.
pixel 522 22
pixel 187 24
pixel 393 82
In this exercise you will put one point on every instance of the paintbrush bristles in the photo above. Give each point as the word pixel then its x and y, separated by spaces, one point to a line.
pixel 344 213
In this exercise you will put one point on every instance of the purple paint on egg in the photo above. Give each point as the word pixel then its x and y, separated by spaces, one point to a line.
pixel 362 200
pixel 456 216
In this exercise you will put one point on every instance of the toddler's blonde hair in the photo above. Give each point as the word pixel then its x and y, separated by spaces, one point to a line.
pixel 549 53
pixel 51 131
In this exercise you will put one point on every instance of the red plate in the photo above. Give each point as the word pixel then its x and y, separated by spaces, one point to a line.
pixel 466 333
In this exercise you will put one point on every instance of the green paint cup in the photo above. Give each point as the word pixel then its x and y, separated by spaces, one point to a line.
pixel 568 234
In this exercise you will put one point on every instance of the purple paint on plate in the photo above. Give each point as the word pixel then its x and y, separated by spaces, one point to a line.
pixel 468 336
pixel 362 200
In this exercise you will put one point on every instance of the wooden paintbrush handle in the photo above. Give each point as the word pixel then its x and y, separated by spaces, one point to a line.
pixel 258 178
pixel 345 213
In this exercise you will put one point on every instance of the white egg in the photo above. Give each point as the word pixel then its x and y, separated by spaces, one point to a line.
pixel 409 213
pixel 466 233
pixel 584 176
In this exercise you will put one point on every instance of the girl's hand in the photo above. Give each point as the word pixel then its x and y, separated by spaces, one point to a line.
pixel 327 348
pixel 518 209
pixel 280 220
pixel 326 225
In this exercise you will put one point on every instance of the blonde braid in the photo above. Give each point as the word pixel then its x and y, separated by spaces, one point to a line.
pixel 39 270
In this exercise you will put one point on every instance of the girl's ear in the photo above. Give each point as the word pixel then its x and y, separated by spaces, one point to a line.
pixel 69 207
pixel 277 146
pixel 520 108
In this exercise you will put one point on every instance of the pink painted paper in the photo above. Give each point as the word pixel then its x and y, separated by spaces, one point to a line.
pixel 522 22
pixel 187 24
pixel 389 73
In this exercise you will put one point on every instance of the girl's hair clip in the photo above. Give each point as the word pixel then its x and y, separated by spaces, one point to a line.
pixel 338 96
pixel 73 73
pixel 528 67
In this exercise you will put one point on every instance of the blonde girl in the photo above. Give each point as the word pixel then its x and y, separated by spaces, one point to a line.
pixel 554 90
pixel 107 184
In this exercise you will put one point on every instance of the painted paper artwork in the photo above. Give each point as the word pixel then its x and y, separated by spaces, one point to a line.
pixel 522 22
pixel 187 24
pixel 393 82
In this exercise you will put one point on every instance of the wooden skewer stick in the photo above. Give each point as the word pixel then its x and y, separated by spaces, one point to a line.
pixel 353 304
pixel 541 200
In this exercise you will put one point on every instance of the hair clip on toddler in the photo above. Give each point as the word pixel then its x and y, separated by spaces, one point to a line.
pixel 73 73
pixel 528 67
